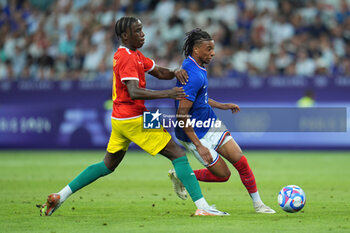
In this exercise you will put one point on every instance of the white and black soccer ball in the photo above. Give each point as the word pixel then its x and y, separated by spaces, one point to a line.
pixel 291 198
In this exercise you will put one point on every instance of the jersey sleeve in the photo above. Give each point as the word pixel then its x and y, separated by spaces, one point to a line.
pixel 128 69
pixel 148 63
pixel 193 85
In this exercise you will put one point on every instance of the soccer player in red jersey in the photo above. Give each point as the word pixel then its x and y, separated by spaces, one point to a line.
pixel 210 143
pixel 129 93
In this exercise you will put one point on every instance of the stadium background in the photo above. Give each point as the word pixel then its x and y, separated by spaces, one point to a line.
pixel 56 64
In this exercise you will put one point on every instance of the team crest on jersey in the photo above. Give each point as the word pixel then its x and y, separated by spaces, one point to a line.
pixel 151 120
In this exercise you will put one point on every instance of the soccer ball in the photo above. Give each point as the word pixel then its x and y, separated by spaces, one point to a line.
pixel 291 198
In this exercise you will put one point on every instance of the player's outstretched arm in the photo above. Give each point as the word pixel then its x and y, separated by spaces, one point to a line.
pixel 167 74
pixel 136 92
pixel 224 106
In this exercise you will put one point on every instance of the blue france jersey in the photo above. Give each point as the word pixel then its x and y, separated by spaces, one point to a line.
pixel 197 91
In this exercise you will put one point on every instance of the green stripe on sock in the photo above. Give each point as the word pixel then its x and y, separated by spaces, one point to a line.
pixel 185 173
pixel 89 175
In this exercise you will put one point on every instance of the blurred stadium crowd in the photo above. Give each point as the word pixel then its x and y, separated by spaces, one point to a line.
pixel 74 39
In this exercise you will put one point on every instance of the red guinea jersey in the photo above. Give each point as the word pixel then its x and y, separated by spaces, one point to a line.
pixel 128 65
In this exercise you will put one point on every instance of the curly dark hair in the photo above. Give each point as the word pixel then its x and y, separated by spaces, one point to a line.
pixel 123 24
pixel 194 37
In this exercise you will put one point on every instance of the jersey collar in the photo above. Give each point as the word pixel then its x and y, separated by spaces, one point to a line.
pixel 202 68
pixel 123 47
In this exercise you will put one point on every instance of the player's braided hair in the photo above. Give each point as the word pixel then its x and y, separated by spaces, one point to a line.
pixel 123 24
pixel 192 38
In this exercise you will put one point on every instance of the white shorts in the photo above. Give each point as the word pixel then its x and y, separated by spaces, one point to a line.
pixel 213 140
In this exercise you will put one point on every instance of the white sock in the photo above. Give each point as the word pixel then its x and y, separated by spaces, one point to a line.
pixel 202 203
pixel 65 193
pixel 256 197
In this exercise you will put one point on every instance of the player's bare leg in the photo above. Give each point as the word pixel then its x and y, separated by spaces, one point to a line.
pixel 233 153
pixel 219 172
pixel 112 160
pixel 89 175
pixel 186 176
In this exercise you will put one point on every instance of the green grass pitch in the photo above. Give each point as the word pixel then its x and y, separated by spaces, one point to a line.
pixel 138 196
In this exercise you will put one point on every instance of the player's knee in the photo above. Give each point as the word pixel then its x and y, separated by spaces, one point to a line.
pixel 177 150
pixel 173 151
pixel 112 160
pixel 226 176
pixel 175 154
pixel 111 165
pixel 237 156
pixel 223 176
pixel 111 168
pixel 181 152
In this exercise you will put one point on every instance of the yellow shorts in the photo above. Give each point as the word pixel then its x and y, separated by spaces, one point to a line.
pixel 126 131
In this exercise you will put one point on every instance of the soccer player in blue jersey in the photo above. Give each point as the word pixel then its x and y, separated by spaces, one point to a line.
pixel 203 133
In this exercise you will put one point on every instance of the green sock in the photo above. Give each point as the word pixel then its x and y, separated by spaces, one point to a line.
pixel 185 173
pixel 89 175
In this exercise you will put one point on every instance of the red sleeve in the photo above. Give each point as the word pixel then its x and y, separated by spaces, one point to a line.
pixel 148 63
pixel 128 69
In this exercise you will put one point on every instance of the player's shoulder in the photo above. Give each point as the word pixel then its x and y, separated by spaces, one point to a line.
pixel 123 55
pixel 191 70
pixel 187 64
pixel 123 52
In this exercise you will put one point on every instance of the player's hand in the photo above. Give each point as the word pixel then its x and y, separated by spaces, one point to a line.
pixel 177 93
pixel 234 107
pixel 181 75
pixel 205 154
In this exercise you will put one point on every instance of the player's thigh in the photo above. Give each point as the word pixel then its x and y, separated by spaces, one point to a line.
pixel 150 140
pixel 190 147
pixel 117 141
pixel 230 151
